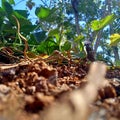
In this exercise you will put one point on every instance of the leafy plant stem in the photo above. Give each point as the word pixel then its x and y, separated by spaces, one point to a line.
pixel 60 39
pixel 94 41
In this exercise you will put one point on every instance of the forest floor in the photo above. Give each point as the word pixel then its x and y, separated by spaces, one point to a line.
pixel 52 90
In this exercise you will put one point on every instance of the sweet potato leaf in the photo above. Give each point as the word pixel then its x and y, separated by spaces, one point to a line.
pixel 97 25
pixel 42 12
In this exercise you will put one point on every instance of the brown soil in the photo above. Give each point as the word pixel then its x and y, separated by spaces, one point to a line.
pixel 30 89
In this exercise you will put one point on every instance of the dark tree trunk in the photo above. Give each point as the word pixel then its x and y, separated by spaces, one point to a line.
pixel 75 8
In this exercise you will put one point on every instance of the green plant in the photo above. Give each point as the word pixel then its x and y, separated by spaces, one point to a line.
pixel 55 28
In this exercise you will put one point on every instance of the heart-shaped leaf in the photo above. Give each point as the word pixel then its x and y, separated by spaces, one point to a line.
pixel 42 12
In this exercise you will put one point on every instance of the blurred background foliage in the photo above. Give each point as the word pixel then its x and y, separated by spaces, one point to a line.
pixel 64 25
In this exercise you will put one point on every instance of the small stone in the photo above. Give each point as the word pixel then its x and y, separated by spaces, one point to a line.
pixel 4 89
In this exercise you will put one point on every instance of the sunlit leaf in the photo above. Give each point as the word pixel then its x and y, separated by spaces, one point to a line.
pixel 114 39
pixel 42 12
pixel 81 46
pixel 53 32
pixel 97 25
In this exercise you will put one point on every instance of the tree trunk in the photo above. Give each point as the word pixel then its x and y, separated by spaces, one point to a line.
pixel 75 6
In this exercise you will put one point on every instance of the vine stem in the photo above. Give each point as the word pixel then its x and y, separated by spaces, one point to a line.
pixel 94 41
pixel 22 37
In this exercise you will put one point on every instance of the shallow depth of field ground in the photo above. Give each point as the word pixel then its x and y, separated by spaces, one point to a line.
pixel 30 90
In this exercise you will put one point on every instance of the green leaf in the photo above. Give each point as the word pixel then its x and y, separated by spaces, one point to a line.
pixel 81 47
pixel 2 13
pixel 8 29
pixel 97 25
pixel 42 47
pixel 32 40
pixel 52 16
pixel 51 45
pixel 19 14
pixel 40 36
pixel 54 33
pixel 2 3
pixel 117 63
pixel 7 7
pixel 1 24
pixel 67 46
pixel 28 28
pixel 22 20
pixel 47 46
pixel 114 39
pixel 79 38
pixel 42 12
pixel 24 13
pixel 11 2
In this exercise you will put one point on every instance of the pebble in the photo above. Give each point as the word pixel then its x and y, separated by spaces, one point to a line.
pixel 4 89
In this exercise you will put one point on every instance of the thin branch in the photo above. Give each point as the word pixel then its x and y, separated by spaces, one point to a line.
pixel 45 3
pixel 19 2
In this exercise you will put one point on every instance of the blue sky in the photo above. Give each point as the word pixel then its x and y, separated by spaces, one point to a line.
pixel 21 4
